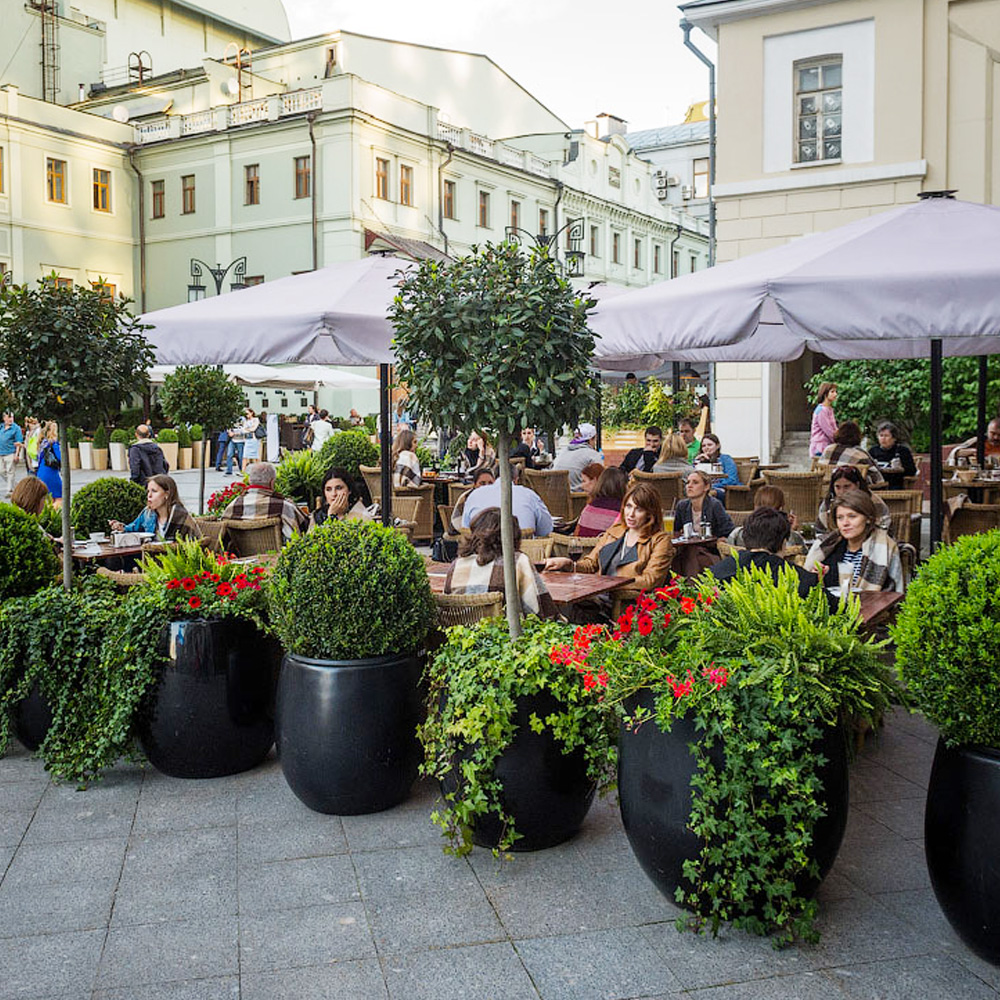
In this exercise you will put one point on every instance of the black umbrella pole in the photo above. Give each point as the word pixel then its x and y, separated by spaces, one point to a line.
pixel 937 470
pixel 981 421
pixel 385 441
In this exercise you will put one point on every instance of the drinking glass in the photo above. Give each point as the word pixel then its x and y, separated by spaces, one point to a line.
pixel 574 550
pixel 845 574
pixel 668 523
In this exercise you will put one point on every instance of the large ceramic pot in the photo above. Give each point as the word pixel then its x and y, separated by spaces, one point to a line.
pixel 654 788
pixel 346 731
pixel 962 845
pixel 546 791
pixel 211 712
pixel 31 718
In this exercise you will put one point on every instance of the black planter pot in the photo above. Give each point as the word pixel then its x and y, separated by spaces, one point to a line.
pixel 546 791
pixel 654 788
pixel 962 843
pixel 210 714
pixel 31 718
pixel 347 731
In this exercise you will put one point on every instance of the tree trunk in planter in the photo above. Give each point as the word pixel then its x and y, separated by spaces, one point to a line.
pixel 211 712
pixel 547 791
pixel 654 789
pixel 346 731
pixel 31 718
pixel 961 841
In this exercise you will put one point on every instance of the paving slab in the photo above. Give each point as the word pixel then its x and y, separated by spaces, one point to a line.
pixel 934 976
pixel 214 988
pixel 185 894
pixel 67 814
pixel 283 885
pixel 55 908
pixel 485 970
pixel 47 965
pixel 361 980
pixel 407 825
pixel 808 986
pixel 48 864
pixel 302 835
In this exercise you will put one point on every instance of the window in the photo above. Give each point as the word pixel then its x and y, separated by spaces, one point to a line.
pixel 303 176
pixel 406 185
pixel 4 274
pixel 381 178
pixel 251 176
pixel 616 248
pixel 515 215
pixel 106 289
pixel 701 178
pixel 594 241
pixel 449 199
pixel 657 254
pixel 694 263
pixel 675 264
pixel 1 179
pixel 60 282
pixel 637 254
pixel 157 190
pixel 187 194
pixel 102 190
pixel 484 209
pixel 818 104
pixel 55 177
pixel 543 222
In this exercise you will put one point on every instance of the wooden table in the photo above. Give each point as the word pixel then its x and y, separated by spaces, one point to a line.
pixel 879 606
pixel 975 489
pixel 692 555
pixel 104 551
pixel 564 588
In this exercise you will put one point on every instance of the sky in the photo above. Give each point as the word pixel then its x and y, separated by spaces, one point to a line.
pixel 624 57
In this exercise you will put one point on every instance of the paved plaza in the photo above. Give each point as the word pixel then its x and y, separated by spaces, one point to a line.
pixel 151 888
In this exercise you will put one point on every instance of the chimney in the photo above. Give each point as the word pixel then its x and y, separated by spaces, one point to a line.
pixel 609 125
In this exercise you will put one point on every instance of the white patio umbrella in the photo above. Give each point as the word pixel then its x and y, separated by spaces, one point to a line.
pixel 283 376
pixel 916 281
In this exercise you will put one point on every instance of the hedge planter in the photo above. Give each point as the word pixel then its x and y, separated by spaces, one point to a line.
pixel 654 786
pixel 119 456
pixel 211 714
pixel 546 791
pixel 346 731
pixel 31 719
pixel 962 843
pixel 86 449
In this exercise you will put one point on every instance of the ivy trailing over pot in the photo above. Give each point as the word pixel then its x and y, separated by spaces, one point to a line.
pixel 474 683
pixel 760 672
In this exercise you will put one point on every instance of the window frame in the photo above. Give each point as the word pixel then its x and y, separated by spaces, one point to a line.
pixel 449 199
pixel 63 180
pixel 2 165
pixel 595 241
pixel 699 190
pixel 483 210
pixel 101 188
pixel 98 286
pixel 382 178
pixel 302 184
pixel 637 253
pixel 188 200
pixel 251 184
pixel 616 247
pixel 657 258
pixel 543 222
pixel 406 185
pixel 820 63
pixel 157 199
pixel 515 214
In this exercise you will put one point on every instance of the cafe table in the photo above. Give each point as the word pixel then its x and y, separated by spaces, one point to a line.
pixel 564 588
pixel 878 607
pixel 979 490
pixel 89 552
pixel 692 555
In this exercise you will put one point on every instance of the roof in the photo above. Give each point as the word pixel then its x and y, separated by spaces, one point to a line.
pixel 668 135
pixel 377 242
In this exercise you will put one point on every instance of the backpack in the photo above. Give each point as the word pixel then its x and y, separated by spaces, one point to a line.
pixel 50 459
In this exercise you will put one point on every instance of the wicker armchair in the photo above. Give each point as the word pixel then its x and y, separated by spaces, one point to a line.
pixel 803 491
pixel 552 485
pixel 971 519
pixel 424 531
pixel 120 579
pixel 372 475
pixel 560 544
pixel 537 549
pixel 577 501
pixel 670 486
pixel 251 536
pixel 464 609
pixel 908 560
pixel 211 528
pixel 445 512
pixel 741 497
pixel 738 517
pixel 455 491
pixel 905 508
pixel 406 507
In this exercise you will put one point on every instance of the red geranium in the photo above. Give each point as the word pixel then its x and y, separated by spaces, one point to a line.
pixel 195 601
pixel 173 584
pixel 225 590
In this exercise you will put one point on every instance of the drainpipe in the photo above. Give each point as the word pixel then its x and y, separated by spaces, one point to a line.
pixel 444 235
pixel 310 119
pixel 686 27
pixel 555 220
pixel 142 229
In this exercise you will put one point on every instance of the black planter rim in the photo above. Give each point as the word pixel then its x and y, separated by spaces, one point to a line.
pixel 371 662
pixel 987 753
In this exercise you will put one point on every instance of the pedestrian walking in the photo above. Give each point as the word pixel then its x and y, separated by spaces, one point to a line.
pixel 11 446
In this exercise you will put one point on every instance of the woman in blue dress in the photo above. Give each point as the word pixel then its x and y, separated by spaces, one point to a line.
pixel 50 461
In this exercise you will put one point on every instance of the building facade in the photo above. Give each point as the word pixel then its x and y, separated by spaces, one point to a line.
pixel 830 111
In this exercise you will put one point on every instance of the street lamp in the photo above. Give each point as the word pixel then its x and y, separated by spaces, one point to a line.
pixel 196 290
pixel 574 255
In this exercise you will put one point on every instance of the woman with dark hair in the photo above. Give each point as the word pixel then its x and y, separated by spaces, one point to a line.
pixel 164 516
pixel 846 450
pixel 868 554
pixel 605 504
pixel 824 423
pixel 711 452
pixel 774 497
pixel 635 547
pixel 479 566
pixel 342 501
pixel 895 460
pixel 405 464
pixel 477 454
pixel 843 479
pixel 699 505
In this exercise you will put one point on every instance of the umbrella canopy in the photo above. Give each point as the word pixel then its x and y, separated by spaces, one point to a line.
pixel 882 287
pixel 289 376
pixel 333 316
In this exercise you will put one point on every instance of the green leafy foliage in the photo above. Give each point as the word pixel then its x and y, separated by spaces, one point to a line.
pixel 107 499
pixel 119 436
pixel 50 519
pixel 348 450
pixel 424 455
pixel 74 435
pixel 183 436
pixel 101 436
pixel 371 423
pixel 871 391
pixel 300 476
pixel 27 561
pixel 760 671
pixel 350 590
pixel 948 640
pixel 197 432
pixel 622 406
pixel 167 436
pixel 474 683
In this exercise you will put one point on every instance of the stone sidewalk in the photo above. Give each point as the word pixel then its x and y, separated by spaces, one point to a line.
pixel 150 888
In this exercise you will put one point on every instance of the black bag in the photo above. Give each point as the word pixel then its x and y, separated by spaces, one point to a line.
pixel 50 460
pixel 444 550
pixel 260 432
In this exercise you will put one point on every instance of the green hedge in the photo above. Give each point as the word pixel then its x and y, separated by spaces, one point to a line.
pixel 119 436
pixel 107 499
pixel 348 450
pixel 183 436
pixel 27 559
pixel 101 437
pixel 350 590
pixel 167 436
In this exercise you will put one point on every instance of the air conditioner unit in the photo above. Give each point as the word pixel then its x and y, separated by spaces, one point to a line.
pixel 662 193
pixel 661 180
pixel 673 180
pixel 687 192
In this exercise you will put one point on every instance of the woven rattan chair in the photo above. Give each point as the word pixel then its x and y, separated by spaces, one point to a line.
pixel 121 579
pixel 670 486
pixel 445 512
pixel 455 491
pixel 552 485
pixel 738 517
pixel 577 501
pixel 971 519
pixel 537 549
pixel 741 497
pixel 211 528
pixel 464 609
pixel 908 559
pixel 406 507
pixel 905 507
pixel 251 536
pixel 560 544
pixel 424 530
pixel 521 461
pixel 372 475
pixel 803 491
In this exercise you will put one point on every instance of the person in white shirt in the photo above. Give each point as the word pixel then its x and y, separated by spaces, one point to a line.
pixel 321 429
pixel 526 505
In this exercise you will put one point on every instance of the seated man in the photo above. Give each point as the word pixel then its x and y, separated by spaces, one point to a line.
pixel 967 449
pixel 685 427
pixel 526 505
pixel 646 457
pixel 578 454
pixel 260 500
pixel 764 534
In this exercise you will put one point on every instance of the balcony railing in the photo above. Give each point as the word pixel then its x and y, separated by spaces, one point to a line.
pixel 493 149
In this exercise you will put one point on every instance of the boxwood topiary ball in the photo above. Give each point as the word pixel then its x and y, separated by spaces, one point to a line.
pixel 104 500
pixel 27 559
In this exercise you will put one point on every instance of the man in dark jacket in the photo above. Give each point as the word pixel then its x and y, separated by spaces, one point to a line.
pixel 145 457
pixel 644 458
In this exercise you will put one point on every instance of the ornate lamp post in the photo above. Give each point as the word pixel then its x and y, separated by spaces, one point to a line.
pixel 573 266
pixel 196 290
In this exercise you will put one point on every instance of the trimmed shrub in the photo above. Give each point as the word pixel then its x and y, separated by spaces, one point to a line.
pixel 101 436
pixel 167 436
pixel 104 500
pixel 27 560
pixel 948 640
pixel 183 436
pixel 300 477
pixel 74 436
pixel 348 450
pixel 197 432
pixel 119 436
pixel 350 590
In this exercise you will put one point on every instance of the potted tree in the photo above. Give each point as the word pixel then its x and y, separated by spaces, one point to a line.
pixel 947 650
pixel 118 449
pixel 202 394
pixel 300 475
pixel 167 440
pixel 732 770
pixel 74 435
pixel 352 606
pixel 100 452
pixel 183 446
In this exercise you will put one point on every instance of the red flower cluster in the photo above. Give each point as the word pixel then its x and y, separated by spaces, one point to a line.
pixel 213 583
pixel 577 654
pixel 221 499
